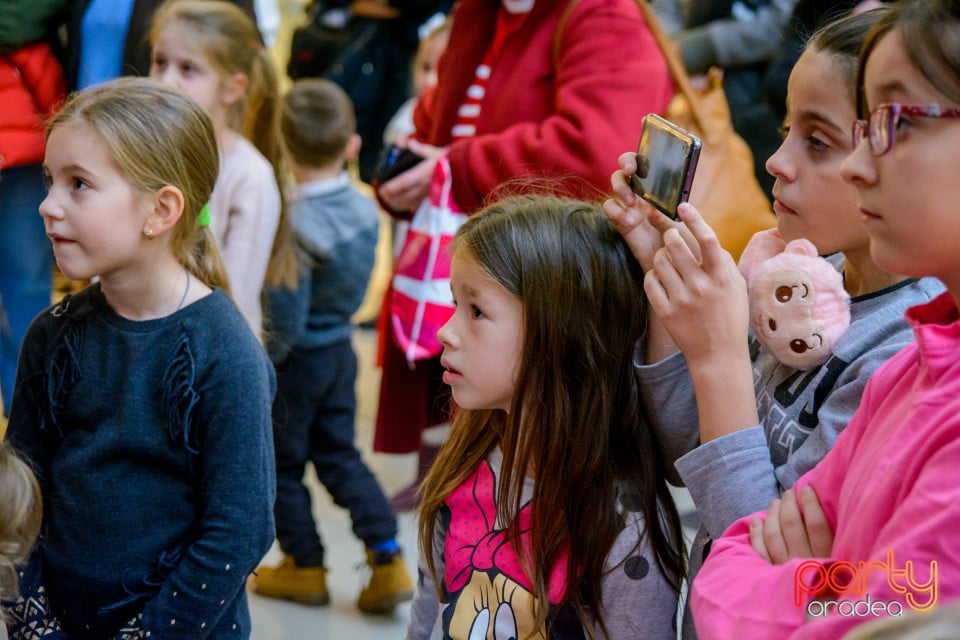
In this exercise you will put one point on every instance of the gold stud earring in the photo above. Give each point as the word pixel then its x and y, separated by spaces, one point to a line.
pixel 149 233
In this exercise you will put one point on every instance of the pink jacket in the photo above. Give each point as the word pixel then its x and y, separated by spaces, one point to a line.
pixel 890 492
pixel 31 88
pixel 546 117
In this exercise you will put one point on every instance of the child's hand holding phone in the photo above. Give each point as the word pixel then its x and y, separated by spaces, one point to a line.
pixel 641 224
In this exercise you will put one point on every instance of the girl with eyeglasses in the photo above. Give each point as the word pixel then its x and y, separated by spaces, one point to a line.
pixel 739 426
pixel 869 532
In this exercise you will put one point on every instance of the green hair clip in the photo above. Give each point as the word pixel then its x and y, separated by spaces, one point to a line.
pixel 203 220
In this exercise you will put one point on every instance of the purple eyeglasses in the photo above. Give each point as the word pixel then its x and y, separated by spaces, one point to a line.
pixel 882 123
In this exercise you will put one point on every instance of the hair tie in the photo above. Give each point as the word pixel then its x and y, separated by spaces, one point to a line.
pixel 203 220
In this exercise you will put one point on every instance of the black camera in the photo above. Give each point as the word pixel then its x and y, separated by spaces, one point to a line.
pixel 393 161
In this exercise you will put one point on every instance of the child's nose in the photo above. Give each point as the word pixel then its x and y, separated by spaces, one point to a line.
pixel 857 168
pixel 778 165
pixel 445 334
pixel 167 76
pixel 49 207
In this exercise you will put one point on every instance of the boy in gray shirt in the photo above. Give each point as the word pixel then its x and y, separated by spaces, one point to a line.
pixel 308 338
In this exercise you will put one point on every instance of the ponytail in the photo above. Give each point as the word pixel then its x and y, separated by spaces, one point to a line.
pixel 262 128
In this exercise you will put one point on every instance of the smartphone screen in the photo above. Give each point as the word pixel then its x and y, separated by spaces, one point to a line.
pixel 666 162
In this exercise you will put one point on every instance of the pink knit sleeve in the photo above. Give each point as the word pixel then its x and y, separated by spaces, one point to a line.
pixel 738 594
pixel 888 491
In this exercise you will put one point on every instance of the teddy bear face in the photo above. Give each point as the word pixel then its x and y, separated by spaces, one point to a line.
pixel 799 309
pixel 782 305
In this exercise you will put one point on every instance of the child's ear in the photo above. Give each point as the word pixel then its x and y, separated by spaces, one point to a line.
pixel 234 88
pixel 167 209
pixel 352 150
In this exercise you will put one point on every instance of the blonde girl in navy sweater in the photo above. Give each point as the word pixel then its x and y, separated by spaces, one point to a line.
pixel 143 401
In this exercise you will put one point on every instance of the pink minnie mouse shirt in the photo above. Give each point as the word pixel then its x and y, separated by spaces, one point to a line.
pixel 488 595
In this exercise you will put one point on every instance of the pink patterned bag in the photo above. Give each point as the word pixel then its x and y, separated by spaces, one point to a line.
pixel 421 302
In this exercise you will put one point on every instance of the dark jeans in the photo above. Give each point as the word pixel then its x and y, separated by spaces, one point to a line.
pixel 26 264
pixel 313 419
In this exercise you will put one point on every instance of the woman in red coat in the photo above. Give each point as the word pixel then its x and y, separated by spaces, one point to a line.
pixel 538 89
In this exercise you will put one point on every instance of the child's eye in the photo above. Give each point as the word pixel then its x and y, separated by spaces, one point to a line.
pixel 47 180
pixel 784 131
pixel 816 144
pixel 78 185
pixel 475 312
pixel 901 124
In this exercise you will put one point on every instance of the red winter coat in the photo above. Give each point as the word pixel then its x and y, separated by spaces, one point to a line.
pixel 569 115
pixel 31 89
pixel 545 116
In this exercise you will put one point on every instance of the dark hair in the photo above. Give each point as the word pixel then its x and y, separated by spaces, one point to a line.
pixel 576 415
pixel 929 31
pixel 842 38
pixel 316 121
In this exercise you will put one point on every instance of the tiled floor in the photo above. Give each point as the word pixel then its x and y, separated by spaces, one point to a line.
pixel 277 620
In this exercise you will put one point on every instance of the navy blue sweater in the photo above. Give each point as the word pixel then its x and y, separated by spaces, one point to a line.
pixel 152 442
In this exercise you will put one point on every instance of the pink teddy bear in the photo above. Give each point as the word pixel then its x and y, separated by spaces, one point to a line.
pixel 798 306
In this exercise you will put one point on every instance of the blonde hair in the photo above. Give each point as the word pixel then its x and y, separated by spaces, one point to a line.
pixel 21 512
pixel 158 137
pixel 232 44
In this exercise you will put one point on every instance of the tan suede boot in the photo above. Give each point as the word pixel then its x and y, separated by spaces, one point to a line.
pixel 389 585
pixel 287 581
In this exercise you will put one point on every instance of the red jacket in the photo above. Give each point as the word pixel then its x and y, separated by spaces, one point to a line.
pixel 542 117
pixel 31 88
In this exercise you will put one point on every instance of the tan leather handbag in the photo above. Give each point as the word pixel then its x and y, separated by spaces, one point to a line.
pixel 725 189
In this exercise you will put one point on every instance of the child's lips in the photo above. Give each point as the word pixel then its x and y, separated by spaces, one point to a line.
pixel 450 373
pixel 58 240
pixel 782 209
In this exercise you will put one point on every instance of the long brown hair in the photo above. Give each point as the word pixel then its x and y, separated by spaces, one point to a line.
pixel 576 417
pixel 157 137
pixel 232 43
